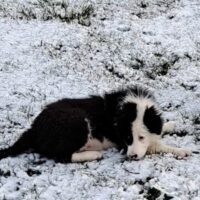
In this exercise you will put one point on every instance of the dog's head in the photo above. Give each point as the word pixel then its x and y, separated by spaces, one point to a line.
pixel 139 123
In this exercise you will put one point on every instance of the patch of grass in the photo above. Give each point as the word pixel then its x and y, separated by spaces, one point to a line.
pixel 32 172
pixel 181 133
pixel 197 135
pixel 196 120
pixel 149 9
pixel 62 10
pixel 154 193
pixel 162 67
pixel 5 174
pixel 115 73
pixel 189 86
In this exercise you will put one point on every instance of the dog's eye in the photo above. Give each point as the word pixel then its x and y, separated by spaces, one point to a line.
pixel 141 138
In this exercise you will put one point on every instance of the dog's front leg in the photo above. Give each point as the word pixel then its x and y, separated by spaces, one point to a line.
pixel 176 151
pixel 162 148
pixel 86 156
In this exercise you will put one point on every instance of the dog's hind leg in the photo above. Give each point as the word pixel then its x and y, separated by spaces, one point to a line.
pixel 168 127
pixel 86 156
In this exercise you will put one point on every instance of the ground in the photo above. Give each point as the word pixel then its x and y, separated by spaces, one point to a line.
pixel 55 49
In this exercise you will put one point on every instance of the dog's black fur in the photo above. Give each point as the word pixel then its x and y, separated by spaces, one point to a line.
pixel 61 128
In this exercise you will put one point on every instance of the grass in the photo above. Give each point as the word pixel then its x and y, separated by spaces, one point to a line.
pixel 62 10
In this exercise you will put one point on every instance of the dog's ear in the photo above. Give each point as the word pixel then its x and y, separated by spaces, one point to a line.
pixel 153 120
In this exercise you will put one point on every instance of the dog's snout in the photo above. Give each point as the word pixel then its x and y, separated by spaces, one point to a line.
pixel 134 156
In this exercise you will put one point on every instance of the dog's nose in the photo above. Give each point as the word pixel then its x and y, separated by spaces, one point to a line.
pixel 134 156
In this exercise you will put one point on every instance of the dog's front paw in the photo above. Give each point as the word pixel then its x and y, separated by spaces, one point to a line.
pixel 86 156
pixel 182 153
pixel 97 155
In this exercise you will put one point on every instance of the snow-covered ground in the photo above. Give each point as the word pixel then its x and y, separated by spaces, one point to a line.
pixel 50 49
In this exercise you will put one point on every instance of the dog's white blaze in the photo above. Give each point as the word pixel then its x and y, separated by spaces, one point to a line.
pixel 143 102
pixel 139 147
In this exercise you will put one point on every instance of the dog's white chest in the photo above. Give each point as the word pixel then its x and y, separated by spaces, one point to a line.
pixel 93 144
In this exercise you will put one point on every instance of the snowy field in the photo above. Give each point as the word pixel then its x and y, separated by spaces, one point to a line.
pixel 50 49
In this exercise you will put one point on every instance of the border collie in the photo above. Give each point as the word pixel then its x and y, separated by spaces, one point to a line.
pixel 77 130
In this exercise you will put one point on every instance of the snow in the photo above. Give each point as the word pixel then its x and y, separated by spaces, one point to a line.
pixel 46 53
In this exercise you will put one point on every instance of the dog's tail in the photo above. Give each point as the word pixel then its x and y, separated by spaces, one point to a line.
pixel 20 146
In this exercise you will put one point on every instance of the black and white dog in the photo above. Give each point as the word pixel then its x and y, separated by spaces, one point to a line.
pixel 77 130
